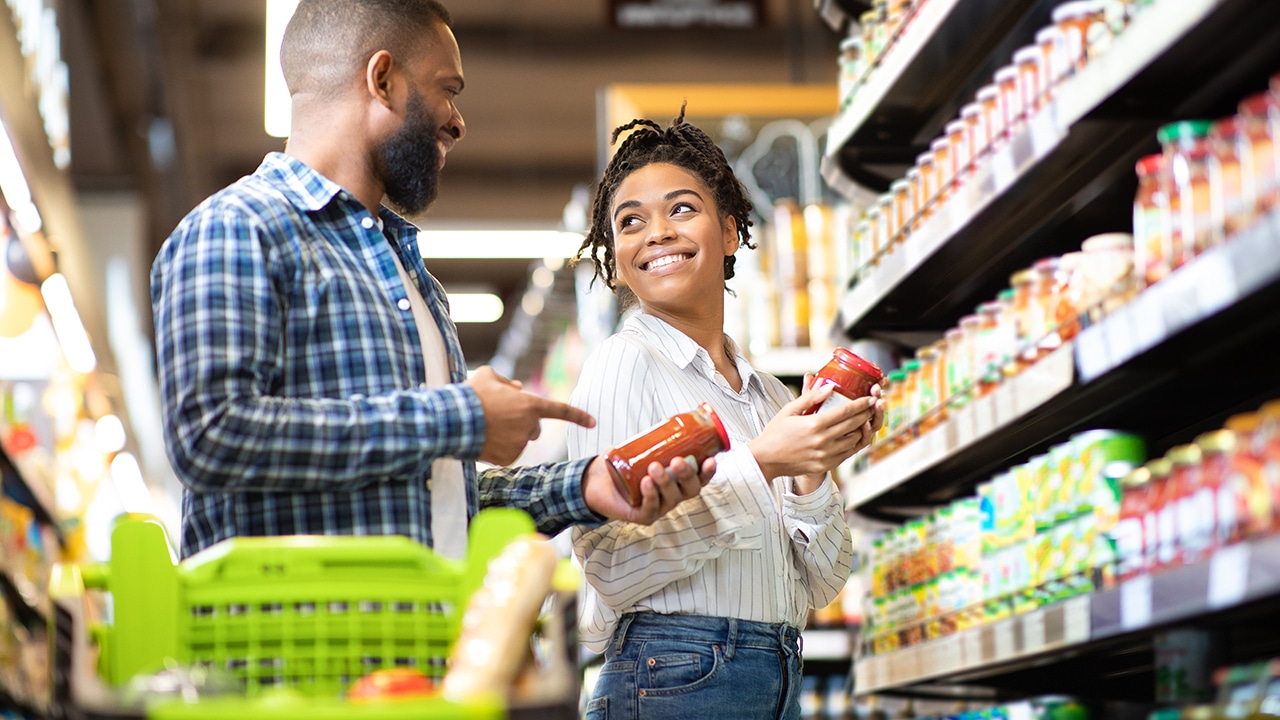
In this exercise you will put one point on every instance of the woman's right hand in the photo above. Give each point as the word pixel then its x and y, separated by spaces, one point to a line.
pixel 797 444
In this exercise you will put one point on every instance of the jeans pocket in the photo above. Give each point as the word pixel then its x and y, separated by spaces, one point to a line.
pixel 598 709
pixel 670 667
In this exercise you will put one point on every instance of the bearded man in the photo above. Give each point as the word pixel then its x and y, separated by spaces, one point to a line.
pixel 310 376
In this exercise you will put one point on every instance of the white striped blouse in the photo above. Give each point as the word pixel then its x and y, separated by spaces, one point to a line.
pixel 745 548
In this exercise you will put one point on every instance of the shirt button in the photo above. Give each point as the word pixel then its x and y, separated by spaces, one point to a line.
pixel 403 303
pixel 367 223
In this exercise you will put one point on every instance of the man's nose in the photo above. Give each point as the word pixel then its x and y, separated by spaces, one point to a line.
pixel 457 126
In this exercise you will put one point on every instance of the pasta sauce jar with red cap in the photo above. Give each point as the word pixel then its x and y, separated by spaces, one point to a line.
pixel 698 433
pixel 852 377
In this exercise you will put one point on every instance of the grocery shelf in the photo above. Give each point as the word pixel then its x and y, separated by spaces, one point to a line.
pixel 1069 172
pixel 1236 580
pixel 827 645
pixel 25 612
pixel 943 44
pixel 15 485
pixel 1212 319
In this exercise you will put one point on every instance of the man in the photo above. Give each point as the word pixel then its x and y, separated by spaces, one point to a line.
pixel 310 376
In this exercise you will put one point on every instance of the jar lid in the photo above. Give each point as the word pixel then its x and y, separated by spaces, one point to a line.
pixel 864 225
pixel 911 366
pixel 1270 409
pixel 1108 242
pixel 1005 295
pixel 1075 9
pixel 927 353
pixel 989 307
pixel 1025 276
pixel 1043 265
pixel 1217 441
pixel 1008 72
pixel 854 41
pixel 847 357
pixel 1257 104
pixel 940 144
pixel 970 320
pixel 1244 423
pixel 1026 54
pixel 953 334
pixel 897 376
pixel 1150 165
pixel 720 430
pixel 1183 455
pixel 1226 127
pixel 1160 468
pixel 973 109
pixel 899 184
pixel 1049 33
pixel 924 158
pixel 987 92
pixel 913 173
pixel 885 199
pixel 1185 130
pixel 1137 477
pixel 955 126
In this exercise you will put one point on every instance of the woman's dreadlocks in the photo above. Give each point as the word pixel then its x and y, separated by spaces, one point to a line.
pixel 683 145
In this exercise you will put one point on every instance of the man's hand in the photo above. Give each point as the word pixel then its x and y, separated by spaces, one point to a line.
pixel 512 416
pixel 660 491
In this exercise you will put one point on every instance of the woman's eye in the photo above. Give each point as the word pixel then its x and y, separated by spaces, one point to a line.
pixel 681 208
pixel 628 221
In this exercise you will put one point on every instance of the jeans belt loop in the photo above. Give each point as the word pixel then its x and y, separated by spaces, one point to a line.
pixel 620 634
pixel 731 641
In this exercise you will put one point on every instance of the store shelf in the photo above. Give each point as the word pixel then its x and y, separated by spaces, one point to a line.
pixel 1069 172
pixel 1184 354
pixel 827 645
pixel 1088 627
pixel 943 45
pixel 14 483
pixel 26 613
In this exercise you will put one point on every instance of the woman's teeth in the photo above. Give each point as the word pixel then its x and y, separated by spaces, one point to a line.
pixel 666 260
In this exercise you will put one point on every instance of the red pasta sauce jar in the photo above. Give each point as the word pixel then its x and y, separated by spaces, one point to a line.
pixel 852 377
pixel 698 433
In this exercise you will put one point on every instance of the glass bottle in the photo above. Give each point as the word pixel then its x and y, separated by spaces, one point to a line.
pixel 971 328
pixel 987 350
pixel 1259 154
pixel 901 191
pixel 927 388
pixel 1054 66
pixel 1150 263
pixel 1007 334
pixel 928 192
pixel 974 117
pixel 941 350
pixel 1022 283
pixel 884 236
pixel 1030 79
pixel 961 150
pixel 1048 295
pixel 957 366
pixel 1226 194
pixel 1186 151
pixel 915 201
pixel 911 392
pixel 1011 108
pixel 988 98
pixel 943 167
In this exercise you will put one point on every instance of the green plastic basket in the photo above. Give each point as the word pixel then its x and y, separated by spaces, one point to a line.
pixel 311 613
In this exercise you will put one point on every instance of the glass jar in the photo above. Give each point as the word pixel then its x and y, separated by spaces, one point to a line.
pixel 1186 151
pixel 888 226
pixel 896 405
pixel 928 192
pixel 1070 280
pixel 1226 194
pixel 1247 484
pixel 958 362
pixel 852 376
pixel 911 391
pixel 942 350
pixel 872 38
pixel 915 191
pixel 1082 22
pixel 1259 154
pixel 987 351
pixel 698 433
pixel 975 119
pixel 1108 264
pixel 988 98
pixel 860 252
pixel 1150 263
pixel 1054 65
pixel 1027 61
pixel 1048 296
pixel 901 191
pixel 851 66
pixel 1217 503
pixel 1011 109
pixel 943 167
pixel 961 150
pixel 927 388
pixel 1129 533
pixel 1022 284
pixel 1192 527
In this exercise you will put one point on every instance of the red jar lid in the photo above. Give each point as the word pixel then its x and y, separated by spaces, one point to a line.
pixel 1257 104
pixel 1151 164
pixel 1225 128
pixel 724 434
pixel 866 367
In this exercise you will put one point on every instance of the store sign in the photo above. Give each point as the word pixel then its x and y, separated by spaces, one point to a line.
pixel 654 14
pixel 37 24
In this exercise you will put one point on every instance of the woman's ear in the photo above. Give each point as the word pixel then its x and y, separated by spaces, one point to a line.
pixel 730 228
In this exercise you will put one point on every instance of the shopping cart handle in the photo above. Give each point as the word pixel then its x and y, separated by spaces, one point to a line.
pixel 95 575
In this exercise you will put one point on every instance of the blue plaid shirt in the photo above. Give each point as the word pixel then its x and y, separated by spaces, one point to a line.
pixel 291 373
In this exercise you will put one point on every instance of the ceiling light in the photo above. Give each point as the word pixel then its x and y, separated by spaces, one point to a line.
pixel 542 277
pixel 532 304
pixel 108 434
pixel 126 475
pixel 498 244
pixel 276 109
pixel 66 323
pixel 475 307
pixel 14 185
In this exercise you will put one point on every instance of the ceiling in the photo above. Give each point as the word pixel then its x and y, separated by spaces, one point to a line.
pixel 166 102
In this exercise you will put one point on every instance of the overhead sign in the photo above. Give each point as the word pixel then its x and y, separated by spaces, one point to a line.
pixel 654 14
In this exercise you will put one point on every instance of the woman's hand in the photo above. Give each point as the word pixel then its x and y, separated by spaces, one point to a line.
pixel 808 446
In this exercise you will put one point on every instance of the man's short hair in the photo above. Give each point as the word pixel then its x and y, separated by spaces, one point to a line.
pixel 328 42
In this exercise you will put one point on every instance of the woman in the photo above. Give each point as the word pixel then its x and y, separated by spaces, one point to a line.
pixel 702 610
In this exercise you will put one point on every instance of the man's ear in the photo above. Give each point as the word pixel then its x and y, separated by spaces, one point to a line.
pixel 380 77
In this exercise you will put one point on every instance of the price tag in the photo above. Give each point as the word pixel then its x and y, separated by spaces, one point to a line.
pixel 1044 134
pixel 1005 645
pixel 964 426
pixel 1091 353
pixel 1033 631
pixel 1228 576
pixel 1135 603
pixel 1075 614
pixel 1216 288
pixel 971 641
pixel 1148 322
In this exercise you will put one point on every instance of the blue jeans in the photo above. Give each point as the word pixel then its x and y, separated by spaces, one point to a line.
pixel 691 666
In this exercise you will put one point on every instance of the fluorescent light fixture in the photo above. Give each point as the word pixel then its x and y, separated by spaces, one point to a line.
pixel 498 244
pixel 475 307
pixel 126 475
pixel 276 109
pixel 66 323
pixel 108 434
pixel 14 185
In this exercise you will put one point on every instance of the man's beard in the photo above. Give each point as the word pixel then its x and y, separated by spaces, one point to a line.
pixel 410 161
